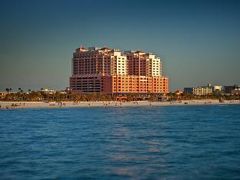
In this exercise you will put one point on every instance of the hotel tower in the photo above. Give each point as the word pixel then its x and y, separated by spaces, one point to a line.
pixel 108 70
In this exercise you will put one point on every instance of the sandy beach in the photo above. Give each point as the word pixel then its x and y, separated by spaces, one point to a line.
pixel 66 104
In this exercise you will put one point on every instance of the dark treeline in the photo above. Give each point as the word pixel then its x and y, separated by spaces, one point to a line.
pixel 69 96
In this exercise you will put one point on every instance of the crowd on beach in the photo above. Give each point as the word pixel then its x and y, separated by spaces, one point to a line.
pixel 16 105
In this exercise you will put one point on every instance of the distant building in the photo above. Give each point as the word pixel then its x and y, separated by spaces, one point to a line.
pixel 200 91
pixel 235 89
pixel 178 92
pixel 2 95
pixel 48 91
pixel 188 90
pixel 217 88
pixel 112 71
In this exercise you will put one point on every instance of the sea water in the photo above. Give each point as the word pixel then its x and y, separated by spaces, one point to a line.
pixel 175 142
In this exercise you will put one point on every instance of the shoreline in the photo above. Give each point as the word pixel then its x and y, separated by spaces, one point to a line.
pixel 69 104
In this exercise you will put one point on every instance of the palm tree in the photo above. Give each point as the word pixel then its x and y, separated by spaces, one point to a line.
pixel 20 90
pixel 8 90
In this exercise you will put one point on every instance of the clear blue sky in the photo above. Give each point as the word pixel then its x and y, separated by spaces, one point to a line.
pixel 198 41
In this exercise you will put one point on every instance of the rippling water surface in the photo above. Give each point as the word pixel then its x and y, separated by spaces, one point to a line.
pixel 184 142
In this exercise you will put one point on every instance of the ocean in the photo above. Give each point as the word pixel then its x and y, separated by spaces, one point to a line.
pixel 174 142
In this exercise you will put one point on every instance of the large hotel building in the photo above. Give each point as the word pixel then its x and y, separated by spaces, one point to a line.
pixel 112 71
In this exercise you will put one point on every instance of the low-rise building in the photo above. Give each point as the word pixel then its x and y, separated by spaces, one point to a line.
pixel 217 88
pixel 2 95
pixel 235 89
pixel 48 91
pixel 200 91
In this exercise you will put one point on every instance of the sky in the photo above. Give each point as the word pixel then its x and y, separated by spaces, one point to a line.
pixel 198 41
